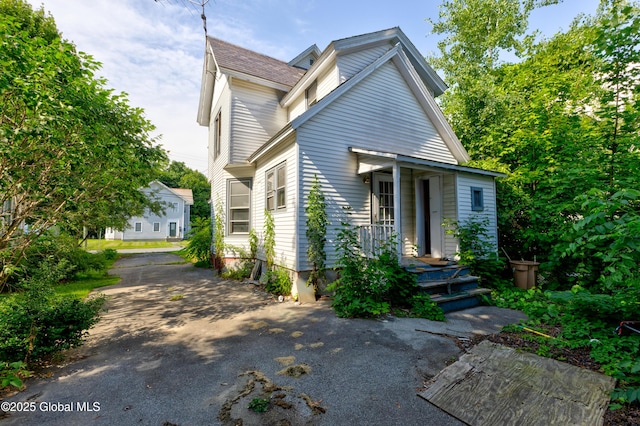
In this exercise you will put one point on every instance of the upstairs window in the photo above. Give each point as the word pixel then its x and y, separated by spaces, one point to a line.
pixel 217 134
pixel 239 205
pixel 477 199
pixel 276 187
pixel 311 94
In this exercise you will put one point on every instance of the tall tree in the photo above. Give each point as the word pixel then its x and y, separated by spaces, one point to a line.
pixel 72 152
pixel 178 175
pixel 561 120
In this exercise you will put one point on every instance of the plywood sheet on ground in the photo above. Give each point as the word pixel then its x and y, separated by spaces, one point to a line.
pixel 496 385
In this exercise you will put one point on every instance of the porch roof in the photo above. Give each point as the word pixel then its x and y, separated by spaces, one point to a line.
pixel 379 160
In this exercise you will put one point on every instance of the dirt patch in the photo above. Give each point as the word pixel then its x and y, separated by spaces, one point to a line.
pixel 285 360
pixel 284 407
pixel 295 371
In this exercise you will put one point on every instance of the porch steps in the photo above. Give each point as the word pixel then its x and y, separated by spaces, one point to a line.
pixel 451 286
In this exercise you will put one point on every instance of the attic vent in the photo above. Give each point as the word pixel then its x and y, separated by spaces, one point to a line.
pixel 311 94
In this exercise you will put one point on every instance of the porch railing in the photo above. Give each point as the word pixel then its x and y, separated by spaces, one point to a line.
pixel 374 237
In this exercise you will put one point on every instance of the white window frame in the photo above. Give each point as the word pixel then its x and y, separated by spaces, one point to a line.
pixel 311 94
pixel 137 227
pixel 230 209
pixel 278 191
pixel 156 226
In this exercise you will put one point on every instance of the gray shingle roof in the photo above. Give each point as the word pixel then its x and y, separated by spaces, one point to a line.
pixel 243 60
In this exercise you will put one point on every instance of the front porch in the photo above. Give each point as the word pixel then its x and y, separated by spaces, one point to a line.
pixel 446 282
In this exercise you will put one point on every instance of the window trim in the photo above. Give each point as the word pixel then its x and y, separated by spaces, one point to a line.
pixel 156 224
pixel 477 205
pixel 313 91
pixel 277 187
pixel 249 182
pixel 135 227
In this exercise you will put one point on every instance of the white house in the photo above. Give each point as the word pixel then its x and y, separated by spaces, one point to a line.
pixel 172 226
pixel 361 115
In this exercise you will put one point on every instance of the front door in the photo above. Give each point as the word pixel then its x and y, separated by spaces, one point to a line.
pixel 173 228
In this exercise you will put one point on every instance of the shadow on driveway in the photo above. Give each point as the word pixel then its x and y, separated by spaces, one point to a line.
pixel 178 346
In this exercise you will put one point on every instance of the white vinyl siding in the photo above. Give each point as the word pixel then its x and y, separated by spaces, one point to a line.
pixel 352 63
pixel 465 182
pixel 285 218
pixel 381 114
pixel 256 115
pixel 449 212
pixel 221 102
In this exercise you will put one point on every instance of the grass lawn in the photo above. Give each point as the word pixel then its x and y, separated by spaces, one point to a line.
pixel 119 244
pixel 81 287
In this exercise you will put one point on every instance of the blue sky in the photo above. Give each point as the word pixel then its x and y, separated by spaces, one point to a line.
pixel 153 50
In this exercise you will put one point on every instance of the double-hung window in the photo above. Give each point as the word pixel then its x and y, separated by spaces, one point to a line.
pixel 277 187
pixel 239 206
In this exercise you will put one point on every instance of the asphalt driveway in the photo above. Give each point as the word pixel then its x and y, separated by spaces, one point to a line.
pixel 178 346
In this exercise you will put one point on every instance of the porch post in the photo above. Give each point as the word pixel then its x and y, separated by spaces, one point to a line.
pixel 397 213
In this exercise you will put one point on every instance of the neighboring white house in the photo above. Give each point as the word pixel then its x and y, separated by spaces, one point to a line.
pixel 361 115
pixel 173 225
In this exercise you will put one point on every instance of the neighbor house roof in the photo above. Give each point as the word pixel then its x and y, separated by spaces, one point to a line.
pixel 185 194
pixel 235 58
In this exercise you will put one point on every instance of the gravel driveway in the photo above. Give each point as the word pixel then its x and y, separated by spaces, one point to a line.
pixel 178 346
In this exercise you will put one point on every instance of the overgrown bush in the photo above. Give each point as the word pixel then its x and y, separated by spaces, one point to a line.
pixel 199 245
pixel 243 267
pixel 61 252
pixel 588 320
pixel 605 244
pixel 369 287
pixel 279 281
pixel 36 323
pixel 476 249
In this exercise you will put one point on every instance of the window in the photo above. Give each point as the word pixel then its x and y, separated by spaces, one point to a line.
pixel 138 227
pixel 156 226
pixel 276 187
pixel 217 134
pixel 311 94
pixel 477 199
pixel 238 206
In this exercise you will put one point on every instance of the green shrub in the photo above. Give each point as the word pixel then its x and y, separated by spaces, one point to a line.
pixel 369 287
pixel 279 281
pixel 36 323
pixel 62 253
pixel 199 245
pixel 476 249
pixel 12 373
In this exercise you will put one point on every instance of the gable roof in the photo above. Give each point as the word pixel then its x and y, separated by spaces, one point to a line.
pixel 185 193
pixel 391 37
pixel 417 86
pixel 230 57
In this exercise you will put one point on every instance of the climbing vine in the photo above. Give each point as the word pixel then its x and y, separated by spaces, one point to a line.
pixel 317 222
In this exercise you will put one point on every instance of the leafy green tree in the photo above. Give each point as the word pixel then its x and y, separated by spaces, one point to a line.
pixel 178 175
pixel 72 153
